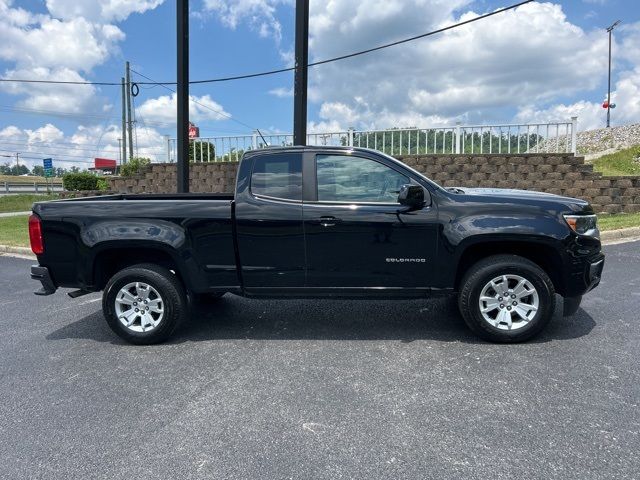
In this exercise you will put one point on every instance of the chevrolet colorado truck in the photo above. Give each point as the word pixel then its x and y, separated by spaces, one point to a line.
pixel 322 222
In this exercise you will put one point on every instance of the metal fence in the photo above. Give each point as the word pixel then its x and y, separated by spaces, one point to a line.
pixel 556 137
pixel 8 188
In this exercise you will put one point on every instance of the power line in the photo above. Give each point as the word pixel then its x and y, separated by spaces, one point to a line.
pixel 96 116
pixel 224 114
pixel 40 156
pixel 26 144
pixel 289 69
pixel 30 152
pixel 62 82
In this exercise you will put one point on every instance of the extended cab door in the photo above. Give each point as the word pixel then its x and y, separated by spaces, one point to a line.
pixel 357 234
pixel 269 221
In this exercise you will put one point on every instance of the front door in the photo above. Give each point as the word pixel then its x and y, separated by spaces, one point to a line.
pixel 357 234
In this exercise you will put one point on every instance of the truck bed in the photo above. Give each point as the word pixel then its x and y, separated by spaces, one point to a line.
pixel 153 196
pixel 198 228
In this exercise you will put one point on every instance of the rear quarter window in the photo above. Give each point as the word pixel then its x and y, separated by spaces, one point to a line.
pixel 278 176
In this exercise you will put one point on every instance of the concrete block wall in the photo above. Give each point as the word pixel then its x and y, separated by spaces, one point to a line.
pixel 562 174
pixel 216 177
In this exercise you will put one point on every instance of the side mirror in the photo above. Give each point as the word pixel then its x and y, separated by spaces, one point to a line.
pixel 411 196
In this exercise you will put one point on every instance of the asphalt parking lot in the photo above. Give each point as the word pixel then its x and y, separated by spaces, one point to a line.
pixel 319 389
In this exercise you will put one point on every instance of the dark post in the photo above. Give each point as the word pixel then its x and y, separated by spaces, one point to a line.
pixel 300 82
pixel 127 76
pixel 182 147
pixel 123 159
pixel 609 85
pixel 610 30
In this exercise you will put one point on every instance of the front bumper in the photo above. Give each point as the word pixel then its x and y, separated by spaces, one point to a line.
pixel 582 275
pixel 594 273
pixel 42 275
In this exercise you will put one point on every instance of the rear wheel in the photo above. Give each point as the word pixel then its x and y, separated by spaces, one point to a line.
pixel 144 304
pixel 506 298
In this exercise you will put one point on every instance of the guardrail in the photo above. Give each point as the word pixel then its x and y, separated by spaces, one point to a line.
pixel 555 137
pixel 8 188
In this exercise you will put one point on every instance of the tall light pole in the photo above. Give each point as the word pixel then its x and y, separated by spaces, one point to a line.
pixel 610 30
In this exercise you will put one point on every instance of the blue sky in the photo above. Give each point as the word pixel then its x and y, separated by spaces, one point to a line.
pixel 544 62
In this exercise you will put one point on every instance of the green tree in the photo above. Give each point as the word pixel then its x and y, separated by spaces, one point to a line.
pixel 38 170
pixel 133 166
pixel 80 181
pixel 203 151
pixel 19 170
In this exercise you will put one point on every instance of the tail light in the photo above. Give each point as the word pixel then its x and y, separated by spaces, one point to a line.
pixel 35 235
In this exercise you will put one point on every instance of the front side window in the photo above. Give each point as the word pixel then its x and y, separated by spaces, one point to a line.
pixel 278 176
pixel 343 178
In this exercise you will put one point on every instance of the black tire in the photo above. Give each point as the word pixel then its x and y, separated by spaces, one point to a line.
pixel 169 288
pixel 488 269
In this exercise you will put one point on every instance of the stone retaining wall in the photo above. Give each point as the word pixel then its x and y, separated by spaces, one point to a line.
pixel 562 174
pixel 216 177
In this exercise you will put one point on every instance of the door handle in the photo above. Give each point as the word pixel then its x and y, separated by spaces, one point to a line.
pixel 328 221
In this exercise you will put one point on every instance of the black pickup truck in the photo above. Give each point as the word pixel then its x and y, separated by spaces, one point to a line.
pixel 322 222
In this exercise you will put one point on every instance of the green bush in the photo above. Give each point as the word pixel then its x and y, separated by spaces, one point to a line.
pixel 80 181
pixel 134 166
pixel 102 184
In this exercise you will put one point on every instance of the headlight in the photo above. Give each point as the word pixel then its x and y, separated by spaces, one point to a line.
pixel 582 224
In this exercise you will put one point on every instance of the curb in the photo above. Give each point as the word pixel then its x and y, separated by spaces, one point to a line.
pixel 607 237
pixel 18 251
pixel 14 214
pixel 620 235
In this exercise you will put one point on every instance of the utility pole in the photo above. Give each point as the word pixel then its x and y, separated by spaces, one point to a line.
pixel 119 151
pixel 167 142
pixel 129 117
pixel 300 81
pixel 610 30
pixel 123 152
pixel 182 142
pixel 17 163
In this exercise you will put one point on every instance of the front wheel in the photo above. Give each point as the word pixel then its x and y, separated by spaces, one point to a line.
pixel 506 298
pixel 144 304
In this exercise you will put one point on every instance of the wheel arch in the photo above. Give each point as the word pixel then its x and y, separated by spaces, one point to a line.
pixel 540 253
pixel 113 258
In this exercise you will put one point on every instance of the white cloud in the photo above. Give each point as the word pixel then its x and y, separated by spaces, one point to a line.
pixel 66 44
pixel 59 97
pixel 281 92
pixel 163 109
pixel 628 49
pixel 528 56
pixel 48 133
pixel 99 10
pixel 80 148
pixel 626 96
pixel 76 43
pixel 259 14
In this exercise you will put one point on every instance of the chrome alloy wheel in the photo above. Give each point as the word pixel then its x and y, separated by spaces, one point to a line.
pixel 509 302
pixel 139 307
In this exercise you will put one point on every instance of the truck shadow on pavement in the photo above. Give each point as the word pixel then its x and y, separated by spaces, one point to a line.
pixel 235 318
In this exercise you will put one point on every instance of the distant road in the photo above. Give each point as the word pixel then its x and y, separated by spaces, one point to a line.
pixel 8 188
